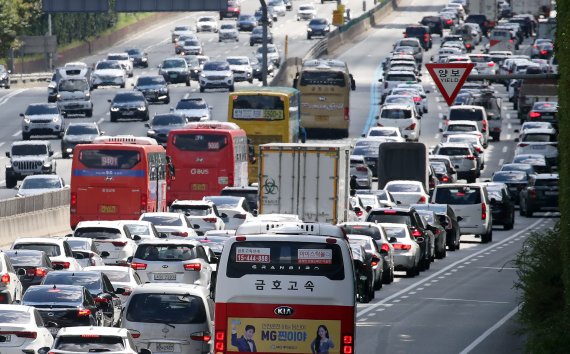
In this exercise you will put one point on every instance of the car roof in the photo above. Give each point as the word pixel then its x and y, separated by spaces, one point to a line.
pixel 454 144
pixel 396 106
pixel 539 131
pixel 46 240
pixel 46 176
pixel 162 213
pixel 193 202
pixel 166 241
pixel 170 288
pixel 462 122
pixel 102 223
pixel 93 330
pixel 547 176
pixel 31 142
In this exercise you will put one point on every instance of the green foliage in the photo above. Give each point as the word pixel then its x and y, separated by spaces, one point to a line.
pixel 539 265
pixel 16 17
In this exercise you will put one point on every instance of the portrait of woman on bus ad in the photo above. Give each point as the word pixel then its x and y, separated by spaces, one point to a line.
pixel 322 342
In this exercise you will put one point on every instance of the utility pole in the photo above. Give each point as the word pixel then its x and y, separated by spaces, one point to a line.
pixel 264 42
pixel 50 54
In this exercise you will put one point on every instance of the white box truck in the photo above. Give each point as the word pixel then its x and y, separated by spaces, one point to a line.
pixel 310 180
pixel 534 7
pixel 485 7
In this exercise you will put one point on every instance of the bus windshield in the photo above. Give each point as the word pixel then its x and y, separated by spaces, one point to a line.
pixel 328 78
pixel 116 159
pixel 262 107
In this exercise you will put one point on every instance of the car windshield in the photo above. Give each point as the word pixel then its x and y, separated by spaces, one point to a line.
pixel 318 21
pixel 461 128
pixel 41 109
pixel 191 210
pixel 163 220
pixel 118 57
pixel 90 280
pixel 166 308
pixel 81 130
pixel 227 26
pixel 52 295
pixel 192 43
pixel 89 344
pixel 238 61
pixel 191 104
pixel 269 50
pixel 181 28
pixel 173 63
pixel 134 52
pixel 403 188
pixel 458 195
pixel 50 250
pixel 305 8
pixel 216 66
pixel 128 97
pixel 206 19
pixel 24 150
pixel 150 80
pixel 224 202
pixel 509 177
pixel 165 253
pixel 73 85
pixel 41 183
pixel 165 120
pixel 136 229
pixel 108 65
pixel 97 232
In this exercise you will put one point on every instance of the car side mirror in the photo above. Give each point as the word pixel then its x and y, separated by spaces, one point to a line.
pixel 214 260
pixel 137 238
pixel 195 226
pixel 295 81
pixel 493 201
pixel 254 212
pixel 133 84
pixel 459 218
pixel 224 215
pixel 444 116
pixel 380 79
pixel 393 239
pixel 171 109
pixel 517 131
pixel 109 100
pixel 105 254
pixel 398 202
pixel 21 114
pixel 7 154
pixel 162 235
pixel 363 135
pixel 147 125
pixel 119 291
pixel 78 256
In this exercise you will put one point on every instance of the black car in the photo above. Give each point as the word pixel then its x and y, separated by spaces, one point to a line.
pixel 154 88
pixel 175 70
pixel 98 285
pixel 545 50
pixel 434 225
pixel 363 273
pixel 537 161
pixel 31 266
pixel 434 24
pixel 139 58
pixel 422 33
pixel 544 112
pixel 4 77
pixel 256 36
pixel 502 205
pixel 541 193
pixel 259 16
pixel 318 27
pixel 527 23
pixel 78 133
pixel 63 306
pixel 482 21
pixel 129 105
pixel 418 229
pixel 246 22
pixel 515 181
pixel 448 220
pixel 257 69
pixel 162 124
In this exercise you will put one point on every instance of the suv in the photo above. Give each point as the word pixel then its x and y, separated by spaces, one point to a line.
pixel 471 205
pixel 175 70
pixel 4 77
pixel 434 24
pixel 111 237
pixel 422 33
pixel 28 158
pixel 217 74
pixel 541 193
pixel 241 66
pixel 78 133
pixel 402 117
pixel 40 119
pixel 153 87
pixel 74 96
pixel 492 105
pixel 473 113
pixel 249 193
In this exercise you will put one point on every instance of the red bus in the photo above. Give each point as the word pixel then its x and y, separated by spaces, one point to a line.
pixel 117 178
pixel 208 156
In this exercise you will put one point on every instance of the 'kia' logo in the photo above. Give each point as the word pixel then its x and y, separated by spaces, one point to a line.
pixel 165 266
pixel 283 311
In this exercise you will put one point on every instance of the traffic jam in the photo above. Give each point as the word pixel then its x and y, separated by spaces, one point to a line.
pixel 252 233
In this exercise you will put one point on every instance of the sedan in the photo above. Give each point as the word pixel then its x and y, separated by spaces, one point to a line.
pixel 207 24
pixel 162 124
pixel 108 72
pixel 544 112
pixel 363 175
pixel 145 230
pixel 515 181
pixel 256 36
pixel 129 105
pixel 363 273
pixel 22 332
pixel 173 225
pixel 372 252
pixel 78 133
pixel 318 27
pixel 203 214
pixel 31 266
pixel 541 193
pixel 407 192
pixel 306 12
pixel 407 253
pixel 246 22
pixel 85 251
pixel 121 277
pixel 194 109
pixel 154 88
pixel 40 184
pixel 235 209
pixel 139 58
pixel 95 340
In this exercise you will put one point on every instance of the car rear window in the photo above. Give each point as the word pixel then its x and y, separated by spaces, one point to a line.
pixel 544 106
pixel 165 252
pixel 24 260
pixel 52 295
pixel 453 151
pixel 509 177
pixel 116 275
pixel 91 281
pixel 50 250
pixel 542 138
pixel 97 233
pixel 363 230
pixel 163 220
pixel 466 114
pixel 396 113
pixel 400 77
pixel 416 31
pixel 191 210
pixel 546 182
pixel 14 317
pixel 458 195
pixel 285 258
pixel 166 308
pixel 90 343
pixel 199 142
pixel 394 188
pixel 391 217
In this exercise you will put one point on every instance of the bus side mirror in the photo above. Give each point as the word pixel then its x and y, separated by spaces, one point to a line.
pixel 255 212
pixel 295 81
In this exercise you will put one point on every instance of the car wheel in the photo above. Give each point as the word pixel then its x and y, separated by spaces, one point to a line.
pixel 113 118
pixel 410 273
pixel 378 284
pixel 308 36
pixel 452 245
pixel 188 82
pixel 89 113
pixel 251 44
pixel 488 237
pixel 25 136
pixel 64 155
pixel 167 100
pixel 202 89
pixel 386 274
pixel 123 85
pixel 510 224
pixel 11 181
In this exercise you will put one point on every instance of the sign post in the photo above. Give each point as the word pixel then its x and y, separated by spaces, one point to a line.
pixel 449 78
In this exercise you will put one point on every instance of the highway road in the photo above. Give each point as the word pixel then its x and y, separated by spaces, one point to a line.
pixel 465 303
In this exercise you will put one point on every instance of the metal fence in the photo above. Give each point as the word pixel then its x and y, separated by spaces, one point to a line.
pixel 15 206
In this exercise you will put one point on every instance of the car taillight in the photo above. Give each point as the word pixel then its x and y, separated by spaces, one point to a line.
pixel 240 216
pixel 416 232
pixel 422 199
pixel 346 114
pixel 101 300
pixel 5 278
pixel 510 41
pixel 385 248
pixel 359 213
pixel 84 312
pixel 444 179
pixel 478 149
pixel 449 22
pixel 127 292
pixel 426 37
pixel 73 203
pixel 470 157
pixel 135 334
pixel 411 127
pixel 179 233
pixel 201 336
pixel 138 266
pixel 400 246
pixel 417 98
pixel 483 211
pixel 36 272
pixel 484 126
pixel 220 342
pixel 468 45
pixel 21 334
pixel 119 243
pixel 65 265
pixel 143 203
pixel 543 52
pixel 193 266
pixel 534 114
pixel 212 220
pixel 449 225
pixel 532 192
pixel 490 64
pixel 347 344
pixel 361 169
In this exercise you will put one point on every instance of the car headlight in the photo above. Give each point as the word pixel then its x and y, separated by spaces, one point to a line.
pixel 309 30
pixel 27 120
pixel 202 75
pixel 150 132
pixel 58 96
pixel 144 59
pixel 47 164
pixel 163 89
pixel 55 119
pixel 142 109
pixel 114 109
pixel 8 166
pixel 229 74
pixel 87 96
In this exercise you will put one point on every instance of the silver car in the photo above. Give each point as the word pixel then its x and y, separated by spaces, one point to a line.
pixel 407 253
pixel 39 184
pixel 463 159
pixel 228 31
pixel 74 97
pixel 194 109
pixel 108 72
pixel 42 119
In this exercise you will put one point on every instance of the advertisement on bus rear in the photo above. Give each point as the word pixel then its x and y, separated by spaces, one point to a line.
pixel 274 335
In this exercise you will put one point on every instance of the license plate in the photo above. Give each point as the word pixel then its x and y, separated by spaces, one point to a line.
pixel 53 330
pixel 173 75
pixel 108 209
pixel 164 347
pixel 550 193
pixel 199 186
pixel 128 113
pixel 321 118
pixel 164 276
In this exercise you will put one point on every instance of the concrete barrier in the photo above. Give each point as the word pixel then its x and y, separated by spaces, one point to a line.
pixel 44 223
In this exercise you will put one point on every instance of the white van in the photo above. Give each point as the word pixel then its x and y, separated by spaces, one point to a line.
pixel 402 117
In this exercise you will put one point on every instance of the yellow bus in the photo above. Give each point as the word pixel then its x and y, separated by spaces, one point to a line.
pixel 325 86
pixel 268 115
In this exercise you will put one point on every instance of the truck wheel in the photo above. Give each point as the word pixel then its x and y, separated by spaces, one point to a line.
pixel 25 136
pixel 11 182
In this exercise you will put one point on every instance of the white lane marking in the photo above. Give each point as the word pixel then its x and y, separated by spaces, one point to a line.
pixel 2 143
pixel 508 116
pixel 488 332
pixel 468 300
pixel 505 148
pixel 509 126
pixel 186 96
pixel 19 132
pixel 508 136
pixel 5 99
pixel 451 267
pixel 499 268
pixel 100 120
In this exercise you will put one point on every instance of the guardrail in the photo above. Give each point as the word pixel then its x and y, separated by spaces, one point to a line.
pixel 33 203
pixel 16 79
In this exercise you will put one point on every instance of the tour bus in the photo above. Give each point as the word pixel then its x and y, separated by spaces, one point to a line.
pixel 325 86
pixel 208 156
pixel 118 178
pixel 268 115
pixel 285 287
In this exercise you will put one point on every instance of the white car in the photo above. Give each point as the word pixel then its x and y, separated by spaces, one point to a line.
pixel 22 332
pixel 124 59
pixel 145 230
pixel 306 12
pixel 10 285
pixel 474 141
pixel 175 318
pixel 120 277
pixel 407 252
pixel 241 67
pixel 94 339
pixel 87 249
pixel 484 64
pixel 172 225
pixel 272 54
pixel 236 210
pixel 203 214
pixel 207 24
pixel 112 237
pixel 278 6
pixel 173 261
pixel 228 31
pixel 109 73
pixel 192 47
pixel 57 249
pixel 401 117
pixel 462 158
pixel 407 192
pixel 423 93
pixel 194 109
pixel 385 132
pixel 462 127
pixel 216 74
pixel 40 184
pixel 539 141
